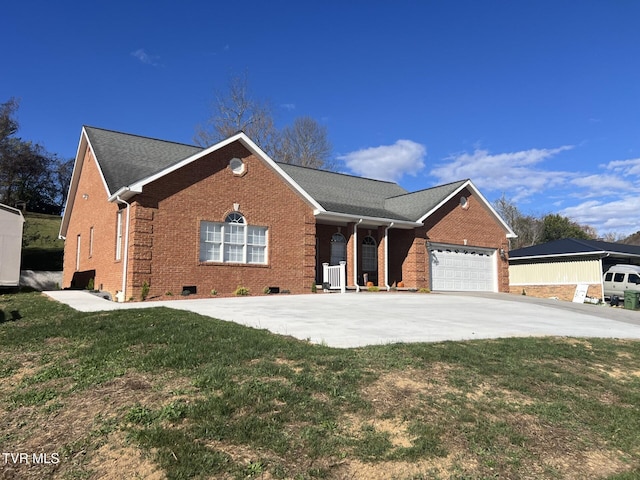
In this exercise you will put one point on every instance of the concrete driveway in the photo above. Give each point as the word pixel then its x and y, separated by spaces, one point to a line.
pixel 359 319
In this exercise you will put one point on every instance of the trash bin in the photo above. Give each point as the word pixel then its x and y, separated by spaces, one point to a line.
pixel 631 299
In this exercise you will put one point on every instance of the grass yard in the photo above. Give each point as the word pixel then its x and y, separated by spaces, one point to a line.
pixel 160 393
pixel 42 250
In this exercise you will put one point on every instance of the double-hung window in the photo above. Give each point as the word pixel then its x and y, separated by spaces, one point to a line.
pixel 233 241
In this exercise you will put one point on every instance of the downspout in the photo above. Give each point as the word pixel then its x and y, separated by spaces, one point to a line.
pixel 386 256
pixel 355 255
pixel 125 262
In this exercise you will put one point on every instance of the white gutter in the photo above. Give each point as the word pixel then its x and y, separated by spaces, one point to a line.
pixel 386 256
pixel 125 262
pixel 355 255
pixel 346 217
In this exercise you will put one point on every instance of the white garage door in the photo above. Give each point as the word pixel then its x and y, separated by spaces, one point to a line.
pixel 460 268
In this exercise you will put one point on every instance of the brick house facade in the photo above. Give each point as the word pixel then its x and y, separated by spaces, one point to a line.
pixel 169 216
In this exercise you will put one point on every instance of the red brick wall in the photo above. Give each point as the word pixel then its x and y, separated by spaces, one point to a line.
pixel 562 292
pixel 166 228
pixel 96 212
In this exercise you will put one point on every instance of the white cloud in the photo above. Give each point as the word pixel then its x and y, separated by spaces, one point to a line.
pixel 387 162
pixel 603 185
pixel 618 216
pixel 288 106
pixel 624 167
pixel 517 173
pixel 144 57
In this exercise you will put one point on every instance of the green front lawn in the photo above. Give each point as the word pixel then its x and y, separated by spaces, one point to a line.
pixel 160 393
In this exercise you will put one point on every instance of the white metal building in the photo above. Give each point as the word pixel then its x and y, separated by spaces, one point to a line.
pixel 11 223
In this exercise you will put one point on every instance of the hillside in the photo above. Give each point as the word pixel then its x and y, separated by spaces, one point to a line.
pixel 633 239
pixel 41 248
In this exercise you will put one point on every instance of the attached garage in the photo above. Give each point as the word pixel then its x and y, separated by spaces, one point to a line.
pixel 463 268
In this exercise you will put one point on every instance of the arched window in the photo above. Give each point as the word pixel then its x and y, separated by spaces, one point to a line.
pixel 338 249
pixel 369 254
pixel 234 238
pixel 233 241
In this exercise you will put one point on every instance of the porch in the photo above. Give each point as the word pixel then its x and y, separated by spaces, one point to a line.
pixel 373 254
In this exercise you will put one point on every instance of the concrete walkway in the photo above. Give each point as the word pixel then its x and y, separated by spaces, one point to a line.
pixel 353 320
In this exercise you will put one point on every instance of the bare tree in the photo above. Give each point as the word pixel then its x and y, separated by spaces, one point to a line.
pixel 305 143
pixel 529 229
pixel 236 110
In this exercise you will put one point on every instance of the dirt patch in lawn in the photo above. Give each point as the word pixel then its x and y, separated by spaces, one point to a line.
pixel 80 429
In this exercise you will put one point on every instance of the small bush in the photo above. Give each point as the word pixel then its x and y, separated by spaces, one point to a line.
pixel 144 292
pixel 214 292
pixel 314 287
pixel 241 291
pixel 373 288
pixel 424 290
pixel 266 290
pixel 90 284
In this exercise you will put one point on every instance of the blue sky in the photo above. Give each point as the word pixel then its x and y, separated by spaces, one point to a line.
pixel 536 100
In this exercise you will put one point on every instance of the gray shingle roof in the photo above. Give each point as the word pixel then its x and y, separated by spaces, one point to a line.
pixel 414 205
pixel 125 158
pixel 341 193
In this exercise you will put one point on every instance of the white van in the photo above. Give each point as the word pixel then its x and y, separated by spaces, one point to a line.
pixel 620 278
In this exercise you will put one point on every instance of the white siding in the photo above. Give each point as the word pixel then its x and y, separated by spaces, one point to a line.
pixel 556 273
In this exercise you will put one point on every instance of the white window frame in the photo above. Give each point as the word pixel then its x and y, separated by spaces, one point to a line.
pixel 369 254
pixel 119 235
pixel 338 249
pixel 78 244
pixel 233 241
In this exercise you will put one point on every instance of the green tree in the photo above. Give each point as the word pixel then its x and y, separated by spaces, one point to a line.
pixel 28 173
pixel 557 227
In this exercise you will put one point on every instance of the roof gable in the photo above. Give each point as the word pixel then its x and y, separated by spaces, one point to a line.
pixel 416 204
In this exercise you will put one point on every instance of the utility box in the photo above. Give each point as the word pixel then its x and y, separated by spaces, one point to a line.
pixel 11 223
pixel 631 298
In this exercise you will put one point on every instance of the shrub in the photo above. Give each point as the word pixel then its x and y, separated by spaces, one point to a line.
pixel 214 292
pixel 90 284
pixel 424 290
pixel 372 288
pixel 144 292
pixel 266 290
pixel 241 291
pixel 314 287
